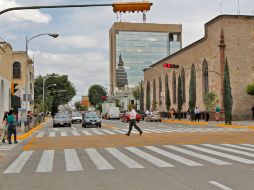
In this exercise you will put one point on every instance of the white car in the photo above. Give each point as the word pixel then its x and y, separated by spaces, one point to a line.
pixel 113 113
pixel 76 117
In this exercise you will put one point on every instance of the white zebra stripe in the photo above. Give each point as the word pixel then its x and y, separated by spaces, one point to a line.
pixel 224 155
pixel 239 147
pixel 64 134
pixel 197 155
pixel 97 132
pixel 86 132
pixel 175 157
pixel 41 134
pixel 46 162
pixel 156 161
pixel 249 145
pixel 98 160
pixel 119 131
pixel 72 161
pixel 52 134
pixel 75 133
pixel 108 131
pixel 19 163
pixel 123 158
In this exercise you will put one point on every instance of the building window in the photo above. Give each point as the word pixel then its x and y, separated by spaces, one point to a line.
pixel 154 90
pixel 205 80
pixel 183 84
pixel 160 90
pixel 174 87
pixel 16 70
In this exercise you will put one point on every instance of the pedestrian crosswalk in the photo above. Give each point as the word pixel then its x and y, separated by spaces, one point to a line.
pixel 7 146
pixel 163 156
pixel 96 131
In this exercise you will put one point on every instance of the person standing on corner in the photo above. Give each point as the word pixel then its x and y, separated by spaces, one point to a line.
pixel 217 113
pixel 5 130
pixel 11 121
pixel 252 112
pixel 133 122
pixel 197 114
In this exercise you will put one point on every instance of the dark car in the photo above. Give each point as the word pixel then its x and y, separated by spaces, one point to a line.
pixel 142 114
pixel 62 119
pixel 127 115
pixel 91 119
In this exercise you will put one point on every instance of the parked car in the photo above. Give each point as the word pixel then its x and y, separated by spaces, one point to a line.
pixel 76 117
pixel 142 114
pixel 91 119
pixel 113 113
pixel 154 116
pixel 62 119
pixel 125 117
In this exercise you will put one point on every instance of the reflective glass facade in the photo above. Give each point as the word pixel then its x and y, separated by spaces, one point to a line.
pixel 139 50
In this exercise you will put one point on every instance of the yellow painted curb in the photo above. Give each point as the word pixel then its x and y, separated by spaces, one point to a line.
pixel 236 126
pixel 29 133
pixel 185 122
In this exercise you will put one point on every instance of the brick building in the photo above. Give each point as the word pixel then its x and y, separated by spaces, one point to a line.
pixel 226 36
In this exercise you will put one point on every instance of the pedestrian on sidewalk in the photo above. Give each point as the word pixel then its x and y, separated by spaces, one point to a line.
pixel 5 130
pixel 172 113
pixel 188 114
pixel 217 113
pixel 11 121
pixel 252 112
pixel 207 116
pixel 197 114
pixel 133 122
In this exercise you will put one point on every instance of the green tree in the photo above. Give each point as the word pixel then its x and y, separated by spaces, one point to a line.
pixel 167 94
pixel 77 105
pixel 211 100
pixel 136 93
pixel 250 89
pixel 95 94
pixel 192 91
pixel 179 97
pixel 148 101
pixel 227 95
pixel 58 91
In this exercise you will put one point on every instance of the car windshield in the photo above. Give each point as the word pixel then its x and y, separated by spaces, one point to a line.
pixel 76 114
pixel 91 115
pixel 62 116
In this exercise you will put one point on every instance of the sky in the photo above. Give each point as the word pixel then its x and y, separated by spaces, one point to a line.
pixel 82 48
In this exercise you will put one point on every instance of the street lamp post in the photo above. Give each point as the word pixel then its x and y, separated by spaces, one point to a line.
pixel 54 35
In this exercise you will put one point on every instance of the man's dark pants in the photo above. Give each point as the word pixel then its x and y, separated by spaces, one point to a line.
pixel 133 123
pixel 12 130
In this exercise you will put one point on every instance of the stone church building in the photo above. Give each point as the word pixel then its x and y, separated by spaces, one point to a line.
pixel 226 36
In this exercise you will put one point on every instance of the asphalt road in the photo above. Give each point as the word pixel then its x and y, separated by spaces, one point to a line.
pixel 166 156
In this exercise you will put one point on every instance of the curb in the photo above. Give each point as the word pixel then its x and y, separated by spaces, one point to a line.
pixel 185 122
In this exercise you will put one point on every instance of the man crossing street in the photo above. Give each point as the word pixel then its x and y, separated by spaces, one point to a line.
pixel 133 122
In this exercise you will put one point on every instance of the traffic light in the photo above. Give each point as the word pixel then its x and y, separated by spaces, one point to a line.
pixel 169 65
pixel 131 6
pixel 13 88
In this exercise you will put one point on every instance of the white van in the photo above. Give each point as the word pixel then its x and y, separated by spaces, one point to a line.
pixel 113 113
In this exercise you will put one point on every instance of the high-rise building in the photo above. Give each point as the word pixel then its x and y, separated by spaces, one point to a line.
pixel 138 45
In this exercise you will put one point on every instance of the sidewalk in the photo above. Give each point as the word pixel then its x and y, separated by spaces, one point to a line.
pixel 235 124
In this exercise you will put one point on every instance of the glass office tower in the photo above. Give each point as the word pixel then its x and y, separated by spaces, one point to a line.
pixel 140 45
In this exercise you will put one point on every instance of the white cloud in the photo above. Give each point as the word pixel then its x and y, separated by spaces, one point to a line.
pixel 76 42
pixel 19 15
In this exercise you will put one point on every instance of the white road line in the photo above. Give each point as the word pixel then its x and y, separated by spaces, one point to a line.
pixel 86 132
pixel 224 155
pixel 46 162
pixel 64 134
pixel 75 133
pixel 52 134
pixel 119 131
pixel 74 128
pixel 249 145
pixel 123 158
pixel 239 147
pixel 156 161
pixel 197 155
pixel 219 185
pixel 41 134
pixel 100 162
pixel 230 150
pixel 72 161
pixel 155 130
pixel 131 130
pixel 19 163
pixel 108 131
pixel 144 130
pixel 5 148
pixel 175 157
pixel 97 132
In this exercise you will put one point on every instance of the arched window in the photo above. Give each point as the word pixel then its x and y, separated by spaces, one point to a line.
pixel 167 94
pixel 183 84
pixel 174 87
pixel 205 80
pixel 148 101
pixel 16 69
pixel 154 90
pixel 160 91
